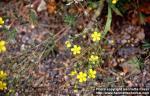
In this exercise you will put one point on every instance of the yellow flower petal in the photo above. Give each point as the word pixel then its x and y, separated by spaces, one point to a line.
pixel 80 80
pixel 84 79
pixel 1 21
pixel 73 73
pixel 2 75
pixel 2 43
pixel 3 85
pixel 78 76
pixel 68 44
pixel 3 49
pixel 2 46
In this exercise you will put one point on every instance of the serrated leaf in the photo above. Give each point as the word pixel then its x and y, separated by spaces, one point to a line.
pixel 69 19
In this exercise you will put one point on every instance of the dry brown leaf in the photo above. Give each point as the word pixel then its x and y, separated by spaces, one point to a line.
pixel 51 6
pixel 125 69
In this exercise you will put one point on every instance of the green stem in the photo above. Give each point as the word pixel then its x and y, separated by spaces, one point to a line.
pixel 108 22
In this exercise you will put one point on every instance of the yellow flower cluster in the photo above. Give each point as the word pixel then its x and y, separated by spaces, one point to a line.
pixel 1 21
pixel 2 46
pixel 114 1
pixel 93 59
pixel 96 36
pixel 2 43
pixel 82 77
pixel 76 49
pixel 3 76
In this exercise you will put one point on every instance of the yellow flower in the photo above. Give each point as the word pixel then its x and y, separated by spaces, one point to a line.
pixel 114 1
pixel 82 77
pixel 96 36
pixel 2 46
pixel 73 73
pixel 68 44
pixel 3 75
pixel 3 85
pixel 93 58
pixel 91 74
pixel 1 21
pixel 76 49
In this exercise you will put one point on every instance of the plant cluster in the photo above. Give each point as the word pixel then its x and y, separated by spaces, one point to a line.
pixel 4 81
pixel 86 71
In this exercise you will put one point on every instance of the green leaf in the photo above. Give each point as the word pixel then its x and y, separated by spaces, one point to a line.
pixel 108 22
pixel 142 17
pixel 146 45
pixel 11 33
pixel 33 17
pixel 92 4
